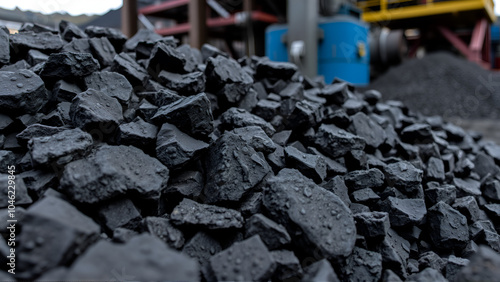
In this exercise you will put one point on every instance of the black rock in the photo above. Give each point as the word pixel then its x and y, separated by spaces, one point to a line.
pixel 468 207
pixel 186 84
pixel 404 212
pixel 446 193
pixel 236 118
pixel 209 51
pixel 188 184
pixel 363 265
pixel 336 93
pixel 365 127
pixel 93 109
pixel 432 260
pixel 64 90
pixel 277 70
pixel 175 148
pixel 448 227
pixel 491 190
pixel 164 230
pixel 111 171
pixel 189 212
pixel 364 195
pixel 22 92
pixel 115 36
pixel 81 45
pixel 305 115
pixel 337 186
pixel 54 232
pixel 305 208
pixel 123 235
pixel 5 121
pixel 192 115
pixel 46 42
pixel 62 147
pixel 493 210
pixel 454 266
pixel 125 65
pixel 484 165
pixel 120 213
pixel 321 270
pixel 141 35
pixel 372 224
pixel 467 187
pixel 336 142
pixel 35 57
pixel 4 48
pixel 37 130
pixel 312 166
pixel 192 55
pixel 246 260
pixel 69 65
pixel 435 169
pixel 272 234
pixel 102 50
pixel 233 168
pixel 201 247
pixel 417 133
pixel 360 179
pixel 152 260
pixel 403 175
pixel 20 191
pixel 267 109
pixel 428 274
pixel 165 57
pixel 70 30
pixel 287 265
pixel 112 84
pixel 395 251
pixel 257 138
pixel 137 133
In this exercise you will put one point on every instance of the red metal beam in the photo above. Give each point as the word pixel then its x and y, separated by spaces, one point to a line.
pixel 455 41
pixel 478 35
pixel 162 6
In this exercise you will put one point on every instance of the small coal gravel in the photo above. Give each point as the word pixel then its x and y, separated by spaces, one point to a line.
pixel 443 84
pixel 140 160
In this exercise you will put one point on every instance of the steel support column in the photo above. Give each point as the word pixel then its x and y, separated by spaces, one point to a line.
pixel 197 22
pixel 129 17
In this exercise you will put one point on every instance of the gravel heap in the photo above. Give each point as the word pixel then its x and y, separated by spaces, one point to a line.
pixel 137 159
pixel 443 84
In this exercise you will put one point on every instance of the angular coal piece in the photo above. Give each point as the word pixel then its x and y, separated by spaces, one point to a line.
pixel 4 48
pixel 435 169
pixel 37 130
pixel 102 50
pixel 143 257
pixel 307 209
pixel 337 186
pixel 367 128
pixel 287 265
pixel 372 224
pixel 236 118
pixel 366 196
pixel 46 42
pixel 54 232
pixel 209 51
pixel 164 97
pixel 272 234
pixel 448 227
pixel 468 207
pixel 21 192
pixel 267 109
pixel 186 84
pixel 192 115
pixel 336 142
pixel 363 265
pixel 276 70
pixel 246 260
pixel 446 193
pixel 403 175
pixel 146 110
pixel 189 212
pixel 36 57
pixel 251 205
pixel 81 45
pixel 93 109
pixel 484 165
pixel 165 57
pixel 137 133
pixel 432 260
pixel 123 235
pixel 336 93
pixel 224 72
pixel 64 90
pixel 321 270
pixel 188 184
pixel 141 35
pixel 5 122
pixel 175 148
pixel 467 187
pixel 491 190
pixel 110 83
pixel 111 171
pixel 478 229
pixel 201 247
pixel 428 274
pixel 417 133
pixel 312 166
pixel 115 36
pixel 294 91
pixel 390 276
pixel 257 138
pixel 395 251
pixel 305 115
pixel 493 210
pixel 454 266
pixel 70 30
pixel 22 92
pixel 249 101
pixel 233 168
pixel 360 179
pixel 164 230
pixel 404 212
pixel 277 159
pixel 192 55
pixel 69 65
pixel 61 147
pixel 120 213
pixel 125 65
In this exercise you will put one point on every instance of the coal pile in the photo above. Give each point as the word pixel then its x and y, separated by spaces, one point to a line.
pixel 137 159
pixel 443 84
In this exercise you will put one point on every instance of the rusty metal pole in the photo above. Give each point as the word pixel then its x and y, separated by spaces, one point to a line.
pixel 250 39
pixel 197 23
pixel 129 17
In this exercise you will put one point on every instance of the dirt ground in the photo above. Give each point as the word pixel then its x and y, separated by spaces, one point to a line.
pixel 489 128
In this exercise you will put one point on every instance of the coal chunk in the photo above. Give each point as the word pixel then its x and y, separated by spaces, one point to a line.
pixel 175 148
pixel 365 127
pixel 277 70
pixel 336 93
pixel 467 187
pixel 112 84
pixel 235 118
pixel 201 247
pixel 64 146
pixel 491 190
pixel 272 234
pixel 102 50
pixel 336 142
pixel 428 274
pixel 37 130
pixel 483 266
pixel 360 179
pixel 188 183
pixel 64 90
pixel 120 213
pixel 35 57
pixel 4 48
pixel 468 206
pixel 233 168
pixel 22 92
pixel 165 57
pixel 448 227
pixel 321 270
pixel 111 171
pixel 46 42
pixel 143 257
pixel 417 133
pixel 115 36
pixel 226 77
pixel 372 224
pixel 446 193
pixel 248 260
pixel 404 211
pixel 403 175
pixel 267 109
pixel 81 45
pixel 53 226
pixel 19 189
pixel 186 84
pixel 137 133
pixel 92 108
pixel 257 138
pixel 363 265
pixel 312 166
pixel 287 265
pixel 395 251
pixel 69 65
pixel 454 266
pixel 192 115
pixel 125 65
pixel 305 208
pixel 70 30
pixel 212 217
pixel 164 230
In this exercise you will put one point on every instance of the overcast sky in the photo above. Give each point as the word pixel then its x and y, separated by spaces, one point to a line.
pixel 85 6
